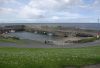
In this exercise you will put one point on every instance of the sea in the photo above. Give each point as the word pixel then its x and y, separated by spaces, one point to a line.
pixel 93 26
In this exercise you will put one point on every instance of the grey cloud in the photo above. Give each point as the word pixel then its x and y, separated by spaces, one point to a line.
pixel 7 1
pixel 6 10
pixel 49 8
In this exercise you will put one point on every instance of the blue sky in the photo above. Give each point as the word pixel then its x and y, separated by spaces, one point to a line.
pixel 49 11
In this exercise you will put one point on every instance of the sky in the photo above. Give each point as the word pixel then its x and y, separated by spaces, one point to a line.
pixel 49 11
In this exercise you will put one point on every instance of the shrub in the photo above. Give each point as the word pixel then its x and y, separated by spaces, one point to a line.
pixel 16 38
pixel 88 40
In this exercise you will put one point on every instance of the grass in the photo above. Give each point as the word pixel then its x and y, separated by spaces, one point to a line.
pixel 10 40
pixel 21 41
pixel 48 58
pixel 88 40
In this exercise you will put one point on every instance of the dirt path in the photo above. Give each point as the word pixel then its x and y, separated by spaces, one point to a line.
pixel 88 66
pixel 35 44
pixel 92 66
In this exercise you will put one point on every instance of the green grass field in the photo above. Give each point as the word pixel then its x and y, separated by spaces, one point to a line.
pixel 48 58
pixel 12 41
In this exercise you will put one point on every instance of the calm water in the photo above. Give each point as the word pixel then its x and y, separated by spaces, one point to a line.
pixel 32 36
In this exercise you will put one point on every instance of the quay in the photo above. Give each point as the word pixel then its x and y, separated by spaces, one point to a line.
pixel 62 31
pixel 11 28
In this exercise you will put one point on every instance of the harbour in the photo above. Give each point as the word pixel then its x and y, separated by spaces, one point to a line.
pixel 53 35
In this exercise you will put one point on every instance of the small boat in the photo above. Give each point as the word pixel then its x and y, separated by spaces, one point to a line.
pixel 12 31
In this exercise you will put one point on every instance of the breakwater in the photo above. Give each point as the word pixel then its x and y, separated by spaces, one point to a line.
pixel 61 31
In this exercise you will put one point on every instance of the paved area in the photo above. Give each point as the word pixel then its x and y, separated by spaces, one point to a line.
pixel 88 66
pixel 92 66
pixel 35 44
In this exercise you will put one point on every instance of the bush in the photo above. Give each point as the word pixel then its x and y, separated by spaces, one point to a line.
pixel 10 37
pixel 16 38
pixel 83 35
pixel 88 40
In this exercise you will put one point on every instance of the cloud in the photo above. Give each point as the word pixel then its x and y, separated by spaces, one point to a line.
pixel 55 17
pixel 66 1
pixel 43 8
pixel 54 4
pixel 6 10
pixel 7 1
pixel 51 9
pixel 10 3
pixel 29 12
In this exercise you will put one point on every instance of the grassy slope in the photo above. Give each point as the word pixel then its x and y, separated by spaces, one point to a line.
pixel 48 58
pixel 12 41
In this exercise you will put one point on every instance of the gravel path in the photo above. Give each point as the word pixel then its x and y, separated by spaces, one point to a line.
pixel 32 44
pixel 88 66
pixel 92 66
